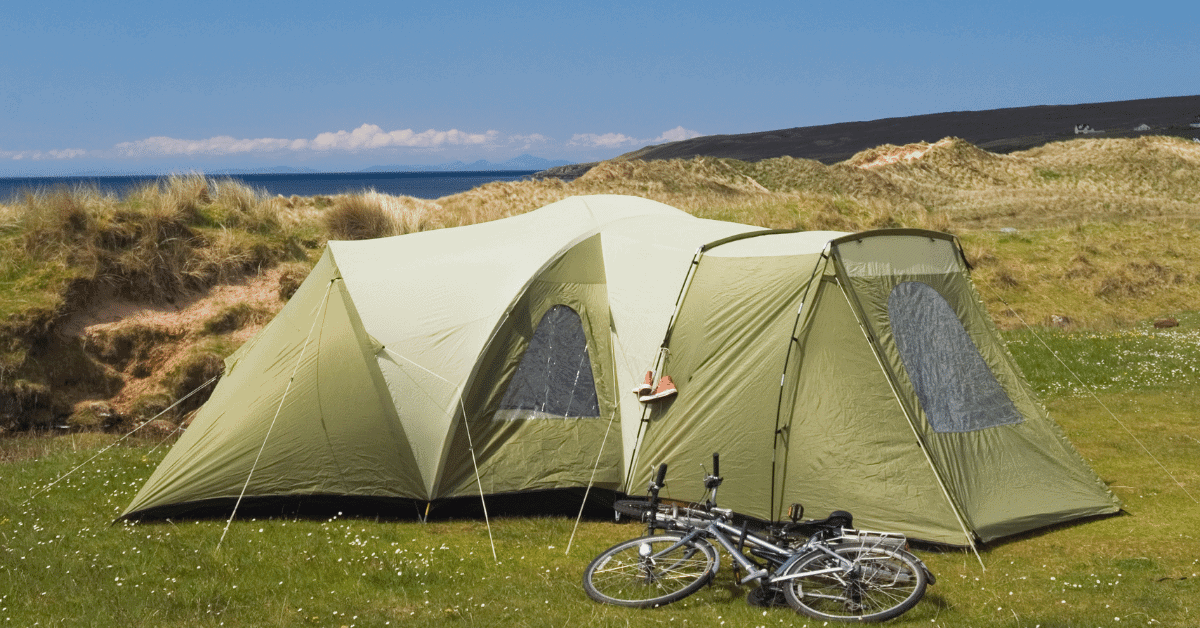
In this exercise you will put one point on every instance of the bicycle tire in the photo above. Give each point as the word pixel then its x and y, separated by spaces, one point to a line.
pixel 673 569
pixel 866 583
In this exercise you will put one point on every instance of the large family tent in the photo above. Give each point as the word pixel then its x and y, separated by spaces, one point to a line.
pixel 842 371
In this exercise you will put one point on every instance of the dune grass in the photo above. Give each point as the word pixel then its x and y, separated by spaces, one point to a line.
pixel 161 241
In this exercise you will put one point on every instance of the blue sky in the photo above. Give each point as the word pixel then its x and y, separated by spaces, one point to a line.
pixel 157 86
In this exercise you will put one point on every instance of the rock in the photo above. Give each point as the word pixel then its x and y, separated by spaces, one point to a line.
pixel 92 415
pixel 1060 321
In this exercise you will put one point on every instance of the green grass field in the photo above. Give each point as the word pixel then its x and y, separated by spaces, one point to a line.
pixel 64 563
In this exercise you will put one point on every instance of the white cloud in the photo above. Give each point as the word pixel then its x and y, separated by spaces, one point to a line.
pixel 535 138
pixel 676 134
pixel 220 145
pixel 370 136
pixel 37 155
pixel 608 140
pixel 620 140
pixel 365 137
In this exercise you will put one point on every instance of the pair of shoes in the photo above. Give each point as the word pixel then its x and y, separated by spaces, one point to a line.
pixel 665 388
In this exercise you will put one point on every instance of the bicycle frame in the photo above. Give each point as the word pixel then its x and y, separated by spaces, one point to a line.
pixel 719 530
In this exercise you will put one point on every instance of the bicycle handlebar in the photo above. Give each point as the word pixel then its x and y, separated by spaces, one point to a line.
pixel 716 464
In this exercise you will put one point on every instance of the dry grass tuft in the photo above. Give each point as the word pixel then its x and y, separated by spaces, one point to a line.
pixel 64 247
pixel 156 244
pixel 235 317
pixel 407 214
pixel 129 348
pixel 357 217
pixel 290 278
pixel 193 372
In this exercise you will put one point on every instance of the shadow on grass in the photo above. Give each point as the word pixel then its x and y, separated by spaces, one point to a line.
pixel 549 503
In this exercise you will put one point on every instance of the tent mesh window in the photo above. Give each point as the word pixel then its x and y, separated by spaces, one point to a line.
pixel 554 378
pixel 957 390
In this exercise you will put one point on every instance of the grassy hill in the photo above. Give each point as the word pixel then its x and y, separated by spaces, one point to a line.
pixel 1094 234
pixel 996 130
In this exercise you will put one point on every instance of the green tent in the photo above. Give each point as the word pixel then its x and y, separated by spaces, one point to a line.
pixel 842 371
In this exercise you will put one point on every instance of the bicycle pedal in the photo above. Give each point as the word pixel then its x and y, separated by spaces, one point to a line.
pixel 753 575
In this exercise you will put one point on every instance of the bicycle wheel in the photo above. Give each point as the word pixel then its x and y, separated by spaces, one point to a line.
pixel 650 571
pixel 862 583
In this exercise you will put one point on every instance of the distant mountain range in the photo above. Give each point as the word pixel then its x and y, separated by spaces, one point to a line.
pixel 996 130
pixel 522 162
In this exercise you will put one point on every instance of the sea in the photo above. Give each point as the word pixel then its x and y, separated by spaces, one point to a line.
pixel 428 185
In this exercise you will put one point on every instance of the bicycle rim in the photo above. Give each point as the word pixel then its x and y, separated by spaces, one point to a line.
pixel 650 571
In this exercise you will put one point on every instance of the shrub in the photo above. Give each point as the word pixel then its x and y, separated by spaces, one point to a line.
pixel 127 345
pixel 149 406
pixel 92 415
pixel 190 375
pixel 358 217
pixel 290 280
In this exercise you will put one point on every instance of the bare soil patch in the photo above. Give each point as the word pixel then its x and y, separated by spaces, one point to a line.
pixel 154 347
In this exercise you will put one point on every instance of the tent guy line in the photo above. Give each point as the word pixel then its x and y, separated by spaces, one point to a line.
pixel 591 482
pixel 487 522
pixel 1096 398
pixel 282 399
pixel 119 440
pixel 483 502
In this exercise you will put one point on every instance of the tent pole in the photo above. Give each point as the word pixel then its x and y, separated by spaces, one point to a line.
pixel 794 340
pixel 282 399
pixel 660 359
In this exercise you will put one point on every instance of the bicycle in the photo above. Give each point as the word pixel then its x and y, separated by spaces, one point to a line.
pixel 824 569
